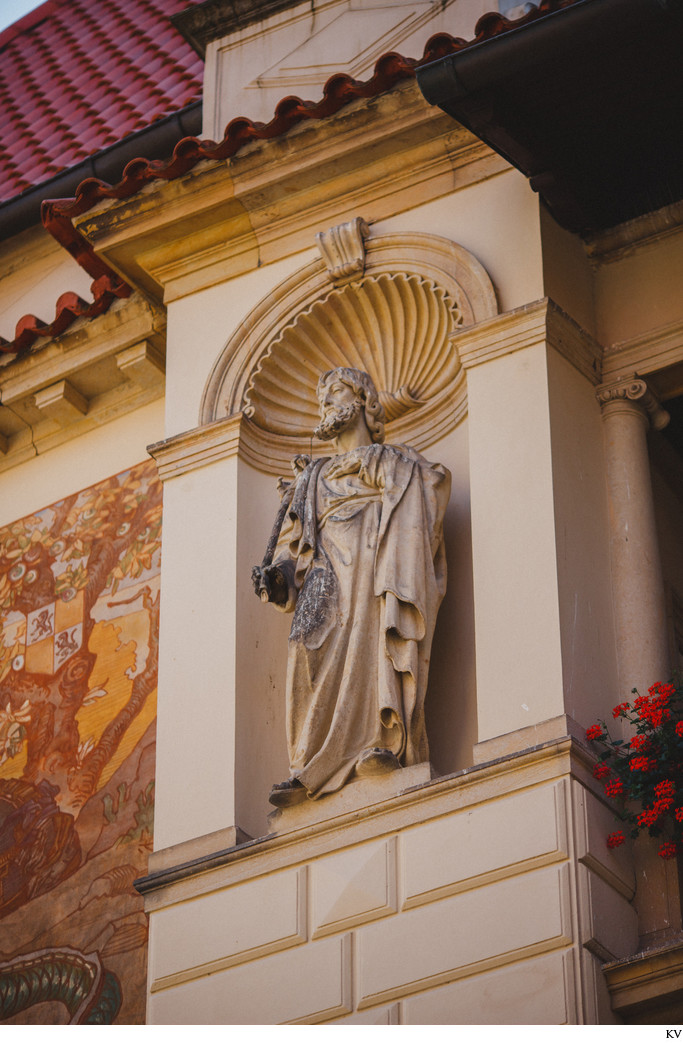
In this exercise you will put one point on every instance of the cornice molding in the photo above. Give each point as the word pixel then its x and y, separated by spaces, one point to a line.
pixel 626 238
pixel 652 355
pixel 540 322
pixel 199 447
pixel 95 372
pixel 379 156
pixel 549 761
pixel 646 988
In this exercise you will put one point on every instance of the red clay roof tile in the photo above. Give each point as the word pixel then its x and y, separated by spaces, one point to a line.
pixel 78 75
pixel 339 90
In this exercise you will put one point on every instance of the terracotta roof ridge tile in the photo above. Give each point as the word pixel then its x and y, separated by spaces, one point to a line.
pixel 68 308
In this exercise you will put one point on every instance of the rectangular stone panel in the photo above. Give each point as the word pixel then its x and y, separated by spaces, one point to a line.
pixel 353 886
pixel 594 822
pixel 226 927
pixel 467 933
pixel 483 843
pixel 304 985
pixel 609 923
pixel 533 992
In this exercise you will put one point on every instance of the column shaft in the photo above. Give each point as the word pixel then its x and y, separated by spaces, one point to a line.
pixel 637 585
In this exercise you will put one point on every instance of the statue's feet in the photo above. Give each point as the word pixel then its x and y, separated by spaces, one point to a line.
pixel 287 794
pixel 376 761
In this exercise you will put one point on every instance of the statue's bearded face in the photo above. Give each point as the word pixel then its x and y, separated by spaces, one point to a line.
pixel 339 407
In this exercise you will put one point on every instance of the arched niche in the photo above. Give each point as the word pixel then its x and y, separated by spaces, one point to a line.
pixel 395 319
pixel 391 310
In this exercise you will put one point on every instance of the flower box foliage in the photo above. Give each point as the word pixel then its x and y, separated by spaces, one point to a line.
pixel 647 769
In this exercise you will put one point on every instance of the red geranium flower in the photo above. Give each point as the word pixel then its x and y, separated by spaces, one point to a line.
pixel 616 839
pixel 665 789
pixel 620 709
pixel 679 729
pixel 594 732
pixel 679 814
pixel 667 850
pixel 601 771
pixel 614 788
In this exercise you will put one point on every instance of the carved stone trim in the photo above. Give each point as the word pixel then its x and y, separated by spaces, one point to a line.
pixel 342 248
pixel 549 761
pixel 652 351
pixel 61 402
pixel 534 323
pixel 633 393
pixel 393 322
pixel 197 448
pixel 77 383
pixel 142 364
pixel 394 326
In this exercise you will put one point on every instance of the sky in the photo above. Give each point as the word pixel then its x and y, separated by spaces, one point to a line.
pixel 13 10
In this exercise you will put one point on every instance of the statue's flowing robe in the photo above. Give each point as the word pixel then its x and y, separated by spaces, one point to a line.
pixel 362 552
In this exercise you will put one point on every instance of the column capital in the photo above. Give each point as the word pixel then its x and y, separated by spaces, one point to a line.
pixel 632 394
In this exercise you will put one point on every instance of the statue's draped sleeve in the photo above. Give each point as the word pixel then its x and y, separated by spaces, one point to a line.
pixel 409 575
pixel 298 541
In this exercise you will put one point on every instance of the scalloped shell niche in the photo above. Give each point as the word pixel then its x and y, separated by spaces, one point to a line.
pixel 397 325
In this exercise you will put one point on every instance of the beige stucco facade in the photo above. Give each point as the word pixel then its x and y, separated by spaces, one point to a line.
pixel 482 891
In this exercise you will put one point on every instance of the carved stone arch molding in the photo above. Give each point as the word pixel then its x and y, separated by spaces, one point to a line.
pixel 389 305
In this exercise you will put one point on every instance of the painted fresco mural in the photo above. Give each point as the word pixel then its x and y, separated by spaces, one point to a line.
pixel 79 612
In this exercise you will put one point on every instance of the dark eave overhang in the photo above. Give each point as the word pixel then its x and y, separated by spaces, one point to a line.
pixel 586 100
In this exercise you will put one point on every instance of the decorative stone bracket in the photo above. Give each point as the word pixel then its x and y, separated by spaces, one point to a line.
pixel 342 248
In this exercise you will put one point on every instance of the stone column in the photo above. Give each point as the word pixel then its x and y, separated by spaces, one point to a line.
pixel 628 410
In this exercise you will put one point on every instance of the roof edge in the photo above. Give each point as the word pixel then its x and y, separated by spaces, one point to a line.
pixel 202 23
pixel 157 139
pixel 29 21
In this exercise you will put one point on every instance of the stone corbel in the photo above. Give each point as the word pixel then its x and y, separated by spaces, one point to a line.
pixel 62 403
pixel 634 392
pixel 342 248
pixel 142 364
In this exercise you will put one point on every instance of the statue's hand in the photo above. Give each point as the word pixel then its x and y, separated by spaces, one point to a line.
pixel 300 462
pixel 269 584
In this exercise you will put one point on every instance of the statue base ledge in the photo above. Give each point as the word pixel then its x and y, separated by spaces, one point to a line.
pixel 355 795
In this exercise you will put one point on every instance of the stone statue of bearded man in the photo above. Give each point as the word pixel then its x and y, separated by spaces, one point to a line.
pixel 357 554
